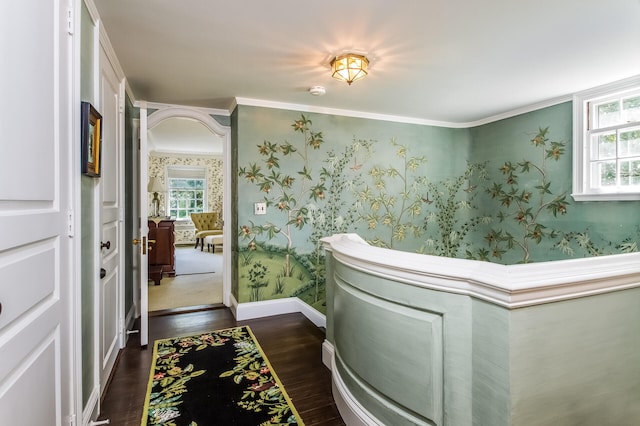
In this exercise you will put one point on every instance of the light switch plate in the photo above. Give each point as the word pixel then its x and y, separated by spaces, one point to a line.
pixel 260 208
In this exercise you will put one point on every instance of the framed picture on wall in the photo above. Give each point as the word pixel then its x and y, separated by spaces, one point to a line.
pixel 91 136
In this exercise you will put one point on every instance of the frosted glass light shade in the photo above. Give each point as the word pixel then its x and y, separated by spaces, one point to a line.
pixel 349 67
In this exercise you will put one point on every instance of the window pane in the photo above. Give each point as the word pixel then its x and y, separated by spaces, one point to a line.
pixel 608 114
pixel 630 172
pixel 177 183
pixel 631 109
pixel 186 196
pixel 603 174
pixel 603 146
pixel 629 143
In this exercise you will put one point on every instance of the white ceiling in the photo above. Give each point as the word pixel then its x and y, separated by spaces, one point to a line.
pixel 452 61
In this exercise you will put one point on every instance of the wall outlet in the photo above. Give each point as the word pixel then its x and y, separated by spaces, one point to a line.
pixel 260 208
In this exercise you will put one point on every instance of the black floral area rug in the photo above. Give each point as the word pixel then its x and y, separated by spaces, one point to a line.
pixel 217 378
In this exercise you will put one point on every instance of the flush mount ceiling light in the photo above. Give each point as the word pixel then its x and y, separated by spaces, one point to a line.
pixel 349 67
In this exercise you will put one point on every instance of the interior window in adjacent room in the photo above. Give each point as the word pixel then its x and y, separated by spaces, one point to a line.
pixel 187 190
pixel 606 140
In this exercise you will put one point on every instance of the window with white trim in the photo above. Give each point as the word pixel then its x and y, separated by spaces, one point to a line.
pixel 607 142
pixel 187 189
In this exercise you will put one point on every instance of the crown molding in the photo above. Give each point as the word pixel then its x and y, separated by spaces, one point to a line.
pixel 396 118
pixel 93 11
pixel 340 112
pixel 518 111
pixel 233 105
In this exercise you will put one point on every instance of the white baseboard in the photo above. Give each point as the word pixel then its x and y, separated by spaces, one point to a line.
pixel 327 354
pixel 233 305
pixel 128 323
pixel 267 308
pixel 351 411
pixel 90 411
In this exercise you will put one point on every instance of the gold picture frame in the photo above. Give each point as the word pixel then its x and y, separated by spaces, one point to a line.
pixel 91 137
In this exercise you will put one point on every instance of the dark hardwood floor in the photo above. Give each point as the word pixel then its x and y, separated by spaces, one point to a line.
pixel 291 343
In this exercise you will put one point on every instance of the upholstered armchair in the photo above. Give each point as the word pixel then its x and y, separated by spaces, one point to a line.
pixel 206 224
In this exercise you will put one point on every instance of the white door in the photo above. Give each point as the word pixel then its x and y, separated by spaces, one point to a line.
pixel 37 169
pixel 111 315
pixel 142 243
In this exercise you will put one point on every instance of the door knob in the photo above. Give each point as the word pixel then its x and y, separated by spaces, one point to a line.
pixel 103 273
pixel 106 245
pixel 143 243
pixel 137 241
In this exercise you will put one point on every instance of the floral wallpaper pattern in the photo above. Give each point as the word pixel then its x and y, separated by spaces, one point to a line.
pixel 158 167
pixel 393 194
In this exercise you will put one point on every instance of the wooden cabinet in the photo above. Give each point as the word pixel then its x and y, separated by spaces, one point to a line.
pixel 162 259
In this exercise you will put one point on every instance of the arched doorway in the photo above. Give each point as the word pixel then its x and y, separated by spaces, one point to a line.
pixel 164 114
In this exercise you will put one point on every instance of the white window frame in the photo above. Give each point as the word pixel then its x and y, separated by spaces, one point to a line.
pixel 582 190
pixel 186 172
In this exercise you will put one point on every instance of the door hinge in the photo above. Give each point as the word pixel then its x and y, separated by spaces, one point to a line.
pixel 72 420
pixel 122 330
pixel 70 20
pixel 70 223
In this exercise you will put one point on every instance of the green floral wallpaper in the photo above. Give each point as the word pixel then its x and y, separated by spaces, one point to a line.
pixel 158 167
pixel 499 193
pixel 528 195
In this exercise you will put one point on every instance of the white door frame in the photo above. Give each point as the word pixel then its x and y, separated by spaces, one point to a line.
pixel 148 122
pixel 110 309
pixel 203 115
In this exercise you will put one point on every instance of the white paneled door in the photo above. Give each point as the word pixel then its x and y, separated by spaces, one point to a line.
pixel 36 213
pixel 141 254
pixel 111 315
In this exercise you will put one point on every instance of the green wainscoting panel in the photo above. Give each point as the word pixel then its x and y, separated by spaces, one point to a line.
pixel 395 349
pixel 490 364
pixel 413 355
pixel 418 340
pixel 577 362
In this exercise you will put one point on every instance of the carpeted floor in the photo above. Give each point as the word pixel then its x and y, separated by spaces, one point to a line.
pixel 198 281
pixel 194 261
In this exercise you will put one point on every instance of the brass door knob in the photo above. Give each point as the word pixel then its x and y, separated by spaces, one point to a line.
pixel 143 243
